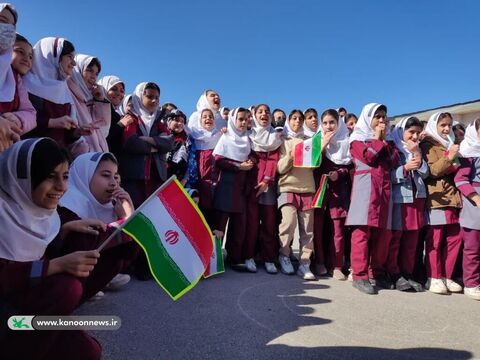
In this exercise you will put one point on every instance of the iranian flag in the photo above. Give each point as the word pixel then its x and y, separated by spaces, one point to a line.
pixel 175 237
pixel 215 266
pixel 320 194
pixel 308 154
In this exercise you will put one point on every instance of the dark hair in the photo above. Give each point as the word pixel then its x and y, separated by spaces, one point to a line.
pixel 413 121
pixel 380 108
pixel 46 156
pixel 175 113
pixel 226 108
pixel 276 110
pixel 95 61
pixel 477 123
pixel 241 109
pixel 164 106
pixel 342 109
pixel 152 85
pixel 21 38
pixel 459 127
pixel 206 109
pixel 68 48
pixel 311 110
pixel 445 115
pixel 108 157
pixel 257 106
pixel 351 115
pixel 14 13
pixel 294 111
pixel 331 112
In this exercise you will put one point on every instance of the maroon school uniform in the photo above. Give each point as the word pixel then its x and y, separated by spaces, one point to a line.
pixel 370 206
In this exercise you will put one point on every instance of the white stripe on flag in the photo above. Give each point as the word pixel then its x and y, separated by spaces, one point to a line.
pixel 182 252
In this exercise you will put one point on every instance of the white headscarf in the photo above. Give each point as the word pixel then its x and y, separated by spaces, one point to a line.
pixel 234 145
pixel 202 103
pixel 107 82
pixel 287 130
pixel 431 130
pixel 363 129
pixel 264 139
pixel 44 80
pixel 82 61
pixel 78 197
pixel 470 146
pixel 26 229
pixel 338 150
pixel 397 137
pixel 7 79
pixel 147 119
pixel 204 139
pixel 122 109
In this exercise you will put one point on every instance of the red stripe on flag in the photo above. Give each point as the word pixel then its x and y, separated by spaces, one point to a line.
pixel 188 220
pixel 298 155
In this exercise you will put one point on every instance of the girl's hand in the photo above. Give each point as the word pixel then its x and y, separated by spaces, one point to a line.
pixel 476 199
pixel 380 131
pixel 453 151
pixel 64 122
pixel 123 204
pixel 85 226
pixel 97 92
pixel 327 137
pixel 126 120
pixel 261 188
pixel 412 146
pixel 333 175
pixel 84 130
pixel 413 164
pixel 78 263
pixel 224 130
pixel 246 165
pixel 15 120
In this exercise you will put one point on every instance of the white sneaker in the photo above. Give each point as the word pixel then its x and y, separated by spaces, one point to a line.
pixel 304 272
pixel 117 282
pixel 437 286
pixel 286 265
pixel 453 286
pixel 224 254
pixel 473 293
pixel 98 296
pixel 251 266
pixel 271 268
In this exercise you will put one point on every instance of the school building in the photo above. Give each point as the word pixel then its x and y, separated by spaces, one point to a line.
pixel 464 113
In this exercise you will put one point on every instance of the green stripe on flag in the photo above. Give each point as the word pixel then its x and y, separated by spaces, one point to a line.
pixel 163 268
pixel 320 195
pixel 218 249
pixel 317 149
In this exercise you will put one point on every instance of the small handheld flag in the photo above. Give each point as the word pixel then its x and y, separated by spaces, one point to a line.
pixel 216 265
pixel 308 154
pixel 320 195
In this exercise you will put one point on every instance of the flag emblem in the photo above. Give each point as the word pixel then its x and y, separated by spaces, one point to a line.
pixel 171 237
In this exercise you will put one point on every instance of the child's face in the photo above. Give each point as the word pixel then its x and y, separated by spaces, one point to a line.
pixel 206 121
pixel 262 113
pixel 412 133
pixel 459 135
pixel 67 62
pixel 150 100
pixel 129 106
pixel 342 114
pixel 311 120
pixel 295 122
pixel 177 124
pixel 48 193
pixel 22 57
pixel 214 100
pixel 351 124
pixel 90 75
pixel 104 181
pixel 241 122
pixel 329 123
pixel 380 117
pixel 116 94
pixel 225 114
pixel 444 127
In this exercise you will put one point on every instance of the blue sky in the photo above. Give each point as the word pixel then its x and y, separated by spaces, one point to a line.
pixel 409 55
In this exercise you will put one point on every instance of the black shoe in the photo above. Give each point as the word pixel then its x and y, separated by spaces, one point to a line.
pixel 402 284
pixel 416 286
pixel 364 286
pixel 384 282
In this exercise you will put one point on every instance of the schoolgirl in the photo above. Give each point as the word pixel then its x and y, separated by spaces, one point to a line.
pixel 408 195
pixel 369 213
pixel 232 162
pixel 208 100
pixel 296 187
pixel 467 181
pixel 310 126
pixel 53 63
pixel 336 165
pixel 444 239
pixel 93 109
pixel 261 218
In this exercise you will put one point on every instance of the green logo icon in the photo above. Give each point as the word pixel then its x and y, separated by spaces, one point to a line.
pixel 21 322
pixel 18 324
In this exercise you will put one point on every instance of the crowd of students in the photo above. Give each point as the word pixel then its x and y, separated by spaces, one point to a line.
pixel 401 209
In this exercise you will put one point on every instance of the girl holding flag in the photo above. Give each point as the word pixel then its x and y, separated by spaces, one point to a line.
pixel 467 180
pixel 232 161
pixel 408 195
pixel 335 169
pixel 370 206
pixel 443 240
pixel 296 186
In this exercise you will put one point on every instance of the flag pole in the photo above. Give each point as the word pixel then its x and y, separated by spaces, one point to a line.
pixel 118 229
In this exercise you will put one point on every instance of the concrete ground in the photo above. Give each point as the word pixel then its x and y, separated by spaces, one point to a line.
pixel 262 316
